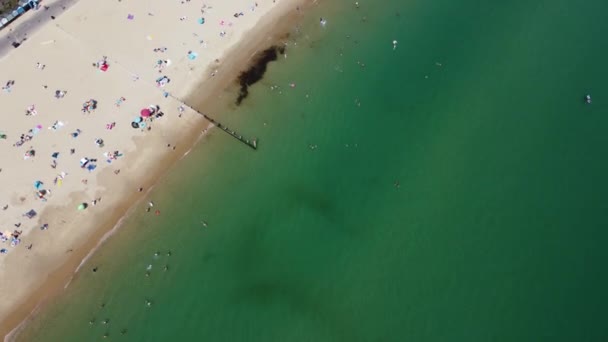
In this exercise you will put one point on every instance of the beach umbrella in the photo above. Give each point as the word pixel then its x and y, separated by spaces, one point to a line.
pixel 134 124
pixel 145 113
pixel 82 206
pixel 37 184
pixel 138 119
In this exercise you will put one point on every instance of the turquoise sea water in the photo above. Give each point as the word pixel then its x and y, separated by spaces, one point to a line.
pixel 496 232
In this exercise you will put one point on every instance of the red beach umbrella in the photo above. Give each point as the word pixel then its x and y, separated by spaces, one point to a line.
pixel 145 113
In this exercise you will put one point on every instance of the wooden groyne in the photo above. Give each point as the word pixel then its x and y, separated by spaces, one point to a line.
pixel 253 143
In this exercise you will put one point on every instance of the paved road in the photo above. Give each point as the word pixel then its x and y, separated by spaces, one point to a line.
pixel 30 22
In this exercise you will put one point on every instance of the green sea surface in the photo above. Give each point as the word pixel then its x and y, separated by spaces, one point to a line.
pixel 451 189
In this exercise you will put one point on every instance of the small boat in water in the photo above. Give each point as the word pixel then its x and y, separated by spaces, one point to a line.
pixel 588 98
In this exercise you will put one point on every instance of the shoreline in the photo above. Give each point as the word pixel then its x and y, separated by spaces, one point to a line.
pixel 277 19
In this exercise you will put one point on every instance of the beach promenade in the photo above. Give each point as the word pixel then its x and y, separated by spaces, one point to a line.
pixel 73 131
pixel 30 22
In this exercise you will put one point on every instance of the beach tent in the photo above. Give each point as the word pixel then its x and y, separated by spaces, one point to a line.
pixel 30 214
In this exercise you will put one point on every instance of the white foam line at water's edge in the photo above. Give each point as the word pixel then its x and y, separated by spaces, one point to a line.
pixel 121 221
pixel 200 136
pixel 68 283
pixel 99 243
pixel 13 333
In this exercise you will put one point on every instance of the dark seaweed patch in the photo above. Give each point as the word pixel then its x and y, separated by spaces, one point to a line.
pixel 257 70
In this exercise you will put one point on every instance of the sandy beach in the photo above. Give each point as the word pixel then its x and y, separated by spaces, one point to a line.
pixel 95 115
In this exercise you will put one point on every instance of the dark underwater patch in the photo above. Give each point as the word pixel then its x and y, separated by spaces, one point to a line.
pixel 257 70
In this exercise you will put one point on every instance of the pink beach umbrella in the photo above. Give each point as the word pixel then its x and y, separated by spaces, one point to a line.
pixel 146 113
